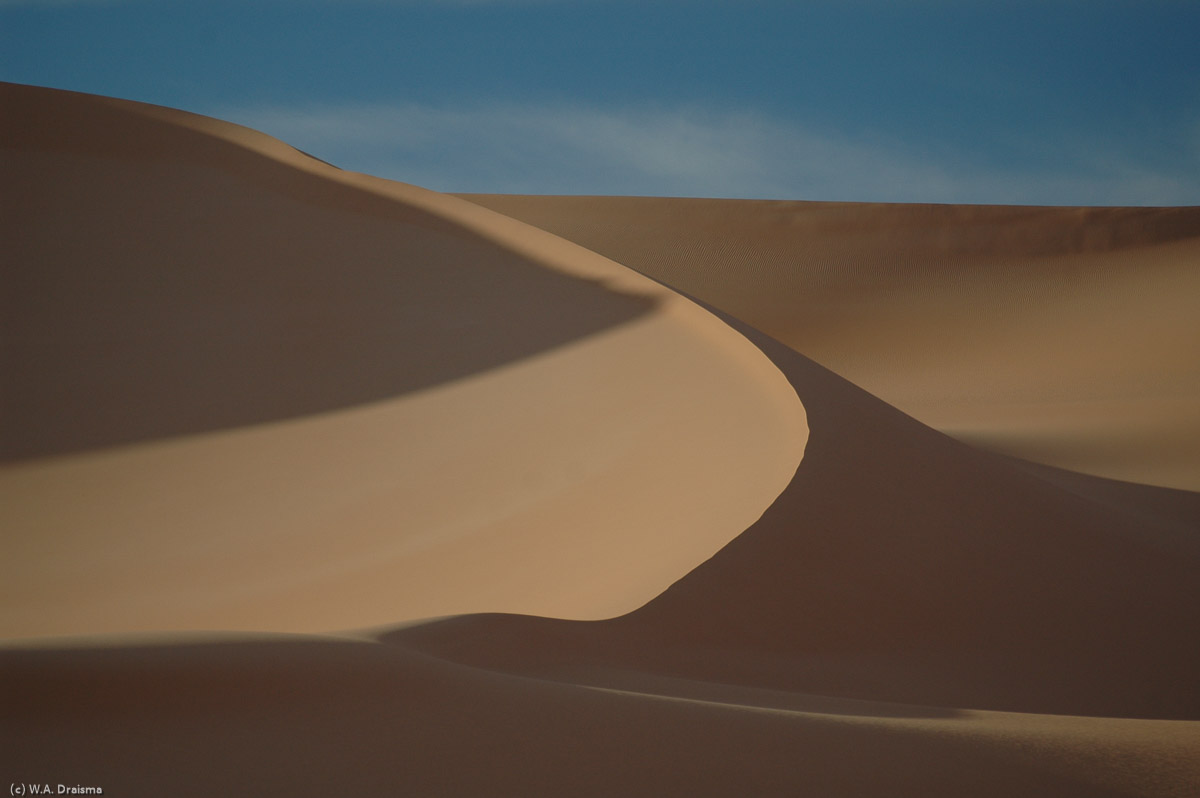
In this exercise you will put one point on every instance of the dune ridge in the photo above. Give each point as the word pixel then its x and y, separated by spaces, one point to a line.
pixel 242 352
pixel 474 509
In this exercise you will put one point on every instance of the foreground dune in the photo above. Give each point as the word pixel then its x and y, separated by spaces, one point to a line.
pixel 672 555
pixel 250 391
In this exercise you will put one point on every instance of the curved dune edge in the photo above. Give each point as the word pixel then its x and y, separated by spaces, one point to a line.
pixel 551 433
pixel 966 579
pixel 1066 336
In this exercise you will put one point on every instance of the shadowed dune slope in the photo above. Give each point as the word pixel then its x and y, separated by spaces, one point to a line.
pixel 1030 626
pixel 311 717
pixel 246 390
pixel 1067 336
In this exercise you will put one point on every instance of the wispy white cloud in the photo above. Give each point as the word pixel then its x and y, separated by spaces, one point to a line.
pixel 565 149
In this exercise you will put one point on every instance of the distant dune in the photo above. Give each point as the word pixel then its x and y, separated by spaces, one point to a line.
pixel 315 483
pixel 1066 336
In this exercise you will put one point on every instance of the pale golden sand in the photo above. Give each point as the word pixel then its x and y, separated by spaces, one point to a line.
pixel 250 393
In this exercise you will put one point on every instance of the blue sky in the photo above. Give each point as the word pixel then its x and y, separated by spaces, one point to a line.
pixel 1011 101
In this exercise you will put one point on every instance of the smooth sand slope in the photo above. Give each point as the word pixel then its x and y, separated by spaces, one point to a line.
pixel 251 392
pixel 1067 336
pixel 246 390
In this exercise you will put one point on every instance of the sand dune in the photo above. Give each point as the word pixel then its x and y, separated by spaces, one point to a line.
pixel 1066 336
pixel 408 406
pixel 549 527
pixel 979 581
pixel 312 716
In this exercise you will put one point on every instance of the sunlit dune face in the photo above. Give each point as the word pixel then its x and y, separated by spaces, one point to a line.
pixel 252 392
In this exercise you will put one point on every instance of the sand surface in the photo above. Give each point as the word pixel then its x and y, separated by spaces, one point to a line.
pixel 1066 336
pixel 313 483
